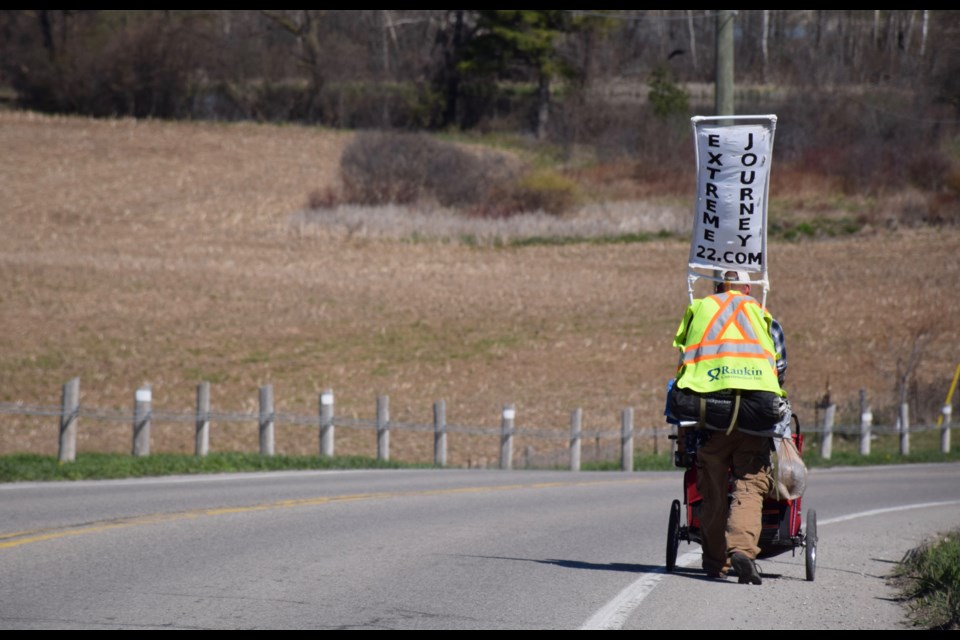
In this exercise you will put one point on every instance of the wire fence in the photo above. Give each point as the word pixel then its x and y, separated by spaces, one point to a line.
pixel 543 447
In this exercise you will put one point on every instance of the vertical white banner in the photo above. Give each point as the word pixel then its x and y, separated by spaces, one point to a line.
pixel 730 216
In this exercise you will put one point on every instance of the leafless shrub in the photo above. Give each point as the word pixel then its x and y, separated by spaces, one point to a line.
pixel 616 130
pixel 945 209
pixel 385 168
pixel 928 169
pixel 545 191
pixel 458 178
pixel 910 207
pixel 873 144
pixel 402 168
pixel 608 127
pixel 143 69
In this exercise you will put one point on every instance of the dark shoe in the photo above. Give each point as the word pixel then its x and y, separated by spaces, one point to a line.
pixel 746 569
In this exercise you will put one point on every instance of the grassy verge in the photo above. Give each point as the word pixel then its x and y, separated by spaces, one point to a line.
pixel 25 467
pixel 98 466
pixel 884 449
pixel 641 462
pixel 929 580
pixel 850 459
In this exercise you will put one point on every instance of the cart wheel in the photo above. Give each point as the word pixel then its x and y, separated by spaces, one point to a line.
pixel 673 535
pixel 811 543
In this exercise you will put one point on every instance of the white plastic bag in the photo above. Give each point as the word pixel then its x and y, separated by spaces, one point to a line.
pixel 789 471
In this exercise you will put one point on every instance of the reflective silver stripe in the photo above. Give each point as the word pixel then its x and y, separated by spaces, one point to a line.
pixel 729 308
pixel 730 305
pixel 732 349
pixel 726 347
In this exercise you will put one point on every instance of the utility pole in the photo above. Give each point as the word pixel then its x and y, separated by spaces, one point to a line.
pixel 724 75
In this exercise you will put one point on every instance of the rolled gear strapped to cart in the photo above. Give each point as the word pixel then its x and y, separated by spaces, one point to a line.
pixel 734 154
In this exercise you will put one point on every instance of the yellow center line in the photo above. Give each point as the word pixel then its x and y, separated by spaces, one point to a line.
pixel 21 538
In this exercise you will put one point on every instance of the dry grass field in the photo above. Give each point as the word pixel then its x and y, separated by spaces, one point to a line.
pixel 173 253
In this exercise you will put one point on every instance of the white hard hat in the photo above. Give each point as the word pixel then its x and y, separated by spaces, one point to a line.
pixel 740 276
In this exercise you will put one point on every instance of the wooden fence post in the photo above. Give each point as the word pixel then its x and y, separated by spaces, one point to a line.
pixel 69 406
pixel 326 423
pixel 508 416
pixel 945 429
pixel 946 412
pixel 203 419
pixel 866 424
pixel 440 433
pixel 383 428
pixel 904 429
pixel 142 403
pixel 266 420
pixel 626 439
pixel 576 421
pixel 826 442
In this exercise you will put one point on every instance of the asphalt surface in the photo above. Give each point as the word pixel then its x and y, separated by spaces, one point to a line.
pixel 453 549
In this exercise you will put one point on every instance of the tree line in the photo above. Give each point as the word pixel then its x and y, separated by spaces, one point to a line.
pixel 603 78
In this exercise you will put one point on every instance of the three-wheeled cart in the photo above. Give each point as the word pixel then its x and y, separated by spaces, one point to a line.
pixel 781 520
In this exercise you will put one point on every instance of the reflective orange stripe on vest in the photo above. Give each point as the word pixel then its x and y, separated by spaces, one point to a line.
pixel 730 316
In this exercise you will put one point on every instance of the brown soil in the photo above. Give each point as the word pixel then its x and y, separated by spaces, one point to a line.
pixel 163 253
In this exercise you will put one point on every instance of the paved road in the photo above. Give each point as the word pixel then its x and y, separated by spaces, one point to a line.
pixel 451 549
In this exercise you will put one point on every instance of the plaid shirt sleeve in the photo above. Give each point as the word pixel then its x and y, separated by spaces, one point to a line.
pixel 779 343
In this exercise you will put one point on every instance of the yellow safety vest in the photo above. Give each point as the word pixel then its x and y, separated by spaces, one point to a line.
pixel 725 343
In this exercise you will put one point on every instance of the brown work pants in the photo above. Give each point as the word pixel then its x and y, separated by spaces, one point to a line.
pixel 728 526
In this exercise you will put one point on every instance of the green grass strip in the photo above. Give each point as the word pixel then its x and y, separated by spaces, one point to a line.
pixel 851 459
pixel 98 466
pixel 25 467
pixel 930 580
pixel 641 462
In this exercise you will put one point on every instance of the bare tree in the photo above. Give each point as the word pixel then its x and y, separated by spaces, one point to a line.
pixel 908 363
pixel 304 25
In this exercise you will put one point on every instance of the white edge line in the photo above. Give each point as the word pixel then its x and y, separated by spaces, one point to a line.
pixel 876 512
pixel 614 614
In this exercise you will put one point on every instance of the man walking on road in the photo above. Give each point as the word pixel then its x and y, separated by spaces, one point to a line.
pixel 728 342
